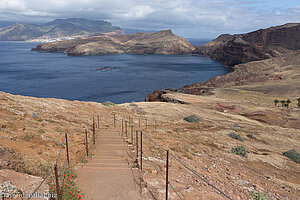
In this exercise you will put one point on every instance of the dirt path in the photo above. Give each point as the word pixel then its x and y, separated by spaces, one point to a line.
pixel 108 174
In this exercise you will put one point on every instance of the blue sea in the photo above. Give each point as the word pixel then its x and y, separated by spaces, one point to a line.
pixel 128 78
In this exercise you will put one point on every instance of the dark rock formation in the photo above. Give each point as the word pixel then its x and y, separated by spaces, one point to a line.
pixel 258 45
pixel 162 42
pixel 159 95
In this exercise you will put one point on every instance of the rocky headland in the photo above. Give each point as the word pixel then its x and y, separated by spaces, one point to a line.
pixel 266 61
pixel 162 42
pixel 257 45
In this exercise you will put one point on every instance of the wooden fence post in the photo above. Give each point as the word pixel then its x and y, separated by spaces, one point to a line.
pixel 141 151
pixel 167 174
pixel 126 129
pixel 132 134
pixel 122 127
pixel 57 182
pixel 139 122
pixel 86 143
pixel 137 144
pixel 114 120
pixel 67 148
pixel 146 124
pixel 94 133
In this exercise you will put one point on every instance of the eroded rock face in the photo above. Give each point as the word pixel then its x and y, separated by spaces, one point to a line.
pixel 258 45
pixel 162 42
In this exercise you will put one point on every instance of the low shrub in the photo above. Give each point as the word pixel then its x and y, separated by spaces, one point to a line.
pixel 239 150
pixel 236 136
pixel 108 103
pixel 27 137
pixel 39 119
pixel 251 136
pixel 237 126
pixel 293 155
pixel 41 131
pixel 259 196
pixel 133 104
pixel 192 118
pixel 69 189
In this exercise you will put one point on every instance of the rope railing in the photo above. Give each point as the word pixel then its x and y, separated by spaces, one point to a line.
pixel 162 176
pixel 31 195
pixel 186 167
pixel 65 163
pixel 191 170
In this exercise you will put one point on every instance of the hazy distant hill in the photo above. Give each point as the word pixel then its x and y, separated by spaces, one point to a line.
pixel 129 31
pixel 57 28
pixel 6 23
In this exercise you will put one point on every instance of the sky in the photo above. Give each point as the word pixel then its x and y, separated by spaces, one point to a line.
pixel 187 18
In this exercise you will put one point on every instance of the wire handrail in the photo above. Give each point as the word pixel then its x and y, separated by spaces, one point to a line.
pixel 163 177
pixel 31 195
pixel 188 168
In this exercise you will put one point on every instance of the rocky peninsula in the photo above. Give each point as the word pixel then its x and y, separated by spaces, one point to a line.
pixel 162 42
pixel 266 61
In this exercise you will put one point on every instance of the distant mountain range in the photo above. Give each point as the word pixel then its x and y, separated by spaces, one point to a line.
pixel 6 23
pixel 129 31
pixel 56 29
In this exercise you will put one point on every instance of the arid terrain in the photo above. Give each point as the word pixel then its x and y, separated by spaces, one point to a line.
pixel 205 146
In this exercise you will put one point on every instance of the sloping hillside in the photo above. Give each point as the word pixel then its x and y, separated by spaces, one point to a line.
pixel 57 28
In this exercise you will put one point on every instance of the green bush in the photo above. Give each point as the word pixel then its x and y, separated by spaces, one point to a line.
pixel 236 136
pixel 192 118
pixel 41 131
pixel 239 150
pixel 133 104
pixel 27 137
pixel 108 103
pixel 293 155
pixel 259 196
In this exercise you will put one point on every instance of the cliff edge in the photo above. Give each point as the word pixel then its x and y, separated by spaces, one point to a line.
pixel 257 45
pixel 266 61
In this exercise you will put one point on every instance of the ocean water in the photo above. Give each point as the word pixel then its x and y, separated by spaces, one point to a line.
pixel 75 78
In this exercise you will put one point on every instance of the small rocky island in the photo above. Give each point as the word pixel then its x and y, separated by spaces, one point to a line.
pixel 162 42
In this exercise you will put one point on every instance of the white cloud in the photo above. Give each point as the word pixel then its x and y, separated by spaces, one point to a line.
pixel 191 18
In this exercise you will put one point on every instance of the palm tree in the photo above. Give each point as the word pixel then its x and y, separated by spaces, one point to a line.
pixel 288 103
pixel 282 102
pixel 276 101
pixel 298 102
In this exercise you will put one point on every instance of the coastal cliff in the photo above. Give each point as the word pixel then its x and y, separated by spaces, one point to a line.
pixel 258 45
pixel 162 42
pixel 266 61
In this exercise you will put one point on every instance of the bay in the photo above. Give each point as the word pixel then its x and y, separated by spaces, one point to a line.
pixel 131 78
